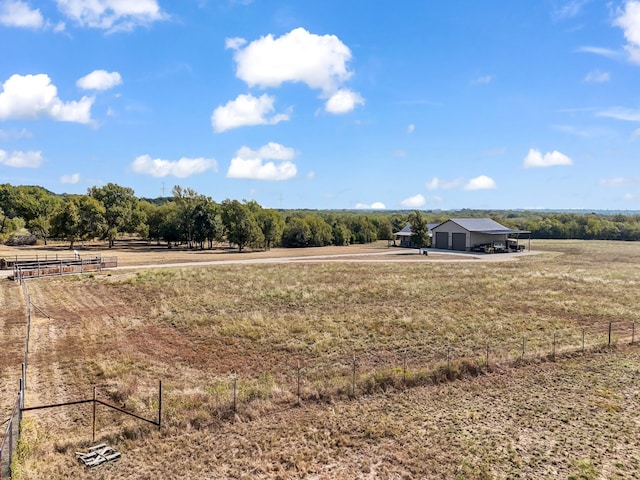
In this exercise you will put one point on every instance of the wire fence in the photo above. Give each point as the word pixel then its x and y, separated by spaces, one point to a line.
pixel 347 376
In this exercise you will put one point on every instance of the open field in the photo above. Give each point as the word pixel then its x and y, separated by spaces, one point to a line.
pixel 193 327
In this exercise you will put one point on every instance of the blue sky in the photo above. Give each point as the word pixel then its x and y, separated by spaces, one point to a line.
pixel 327 105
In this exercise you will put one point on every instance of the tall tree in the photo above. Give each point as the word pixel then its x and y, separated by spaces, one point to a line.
pixel 419 229
pixel 239 225
pixel 271 223
pixel 122 210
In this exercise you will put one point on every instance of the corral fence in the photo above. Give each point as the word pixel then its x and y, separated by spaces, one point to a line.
pixel 24 269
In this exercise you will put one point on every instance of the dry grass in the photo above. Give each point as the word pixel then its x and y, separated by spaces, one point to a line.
pixel 192 327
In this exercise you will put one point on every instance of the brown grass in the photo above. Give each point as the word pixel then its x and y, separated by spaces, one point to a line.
pixel 193 327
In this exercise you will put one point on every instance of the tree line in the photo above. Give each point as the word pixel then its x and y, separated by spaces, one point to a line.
pixel 188 218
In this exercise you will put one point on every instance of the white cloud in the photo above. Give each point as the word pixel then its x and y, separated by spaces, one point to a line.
pixel 72 178
pixel 413 202
pixel 615 182
pixel 234 43
pixel 535 159
pixel 629 21
pixel 33 96
pixel 603 52
pixel 437 183
pixel 568 9
pixel 636 133
pixel 298 56
pixel 253 164
pixel 17 159
pixel 596 76
pixel 343 101
pixel 112 15
pixel 6 135
pixel 311 175
pixel 411 128
pixel 15 13
pixel 183 168
pixel 620 113
pixel 246 110
pixel 482 80
pixel 631 196
pixel 373 206
pixel 99 80
pixel 481 183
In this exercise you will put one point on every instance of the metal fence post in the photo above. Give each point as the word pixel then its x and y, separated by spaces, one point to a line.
pixel 298 389
pixel 93 434
pixel 159 404
pixel 610 323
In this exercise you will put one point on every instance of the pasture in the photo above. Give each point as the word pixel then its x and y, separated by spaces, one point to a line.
pixel 202 329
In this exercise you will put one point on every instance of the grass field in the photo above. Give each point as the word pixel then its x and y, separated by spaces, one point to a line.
pixel 193 327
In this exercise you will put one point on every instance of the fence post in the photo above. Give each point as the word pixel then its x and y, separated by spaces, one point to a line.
pixel 404 367
pixel 159 404
pixel 353 379
pixel 610 323
pixel 583 340
pixel 523 343
pixel 487 354
pixel 448 356
pixel 235 392
pixel 554 345
pixel 93 434
pixel 633 332
pixel 298 387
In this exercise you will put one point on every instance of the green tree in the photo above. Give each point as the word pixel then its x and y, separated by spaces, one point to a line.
pixel 271 223
pixel 296 233
pixel 122 210
pixel 419 229
pixel 320 231
pixel 239 225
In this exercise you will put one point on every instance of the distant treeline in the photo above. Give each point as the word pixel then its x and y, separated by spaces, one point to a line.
pixel 195 220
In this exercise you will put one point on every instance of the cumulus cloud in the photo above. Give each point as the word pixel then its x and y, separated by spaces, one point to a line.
pixel 413 202
pixel 246 110
pixel 320 61
pixel 437 183
pixel 71 178
pixel 481 183
pixel 255 164
pixel 596 76
pixel 343 101
pixel 112 15
pixel 17 159
pixel 629 20
pixel 535 159
pixel 183 168
pixel 373 206
pixel 411 128
pixel 15 13
pixel 33 96
pixel 99 80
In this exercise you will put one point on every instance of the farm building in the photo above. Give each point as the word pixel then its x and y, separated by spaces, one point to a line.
pixel 477 234
pixel 403 237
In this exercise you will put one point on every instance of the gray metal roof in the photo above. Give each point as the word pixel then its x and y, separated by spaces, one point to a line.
pixel 406 231
pixel 483 225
